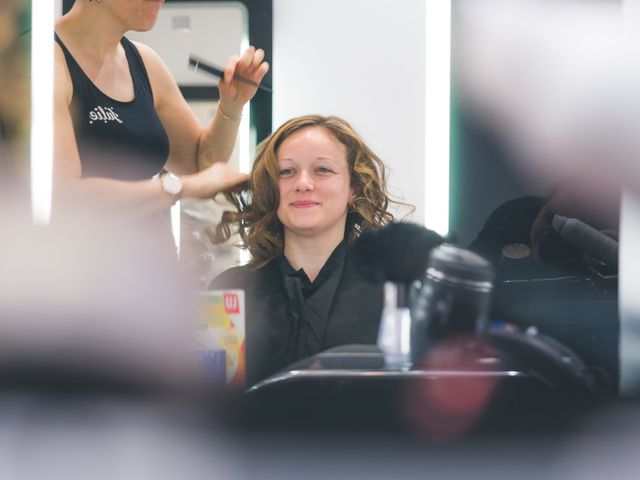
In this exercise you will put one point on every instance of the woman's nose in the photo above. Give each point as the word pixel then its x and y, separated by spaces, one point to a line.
pixel 304 182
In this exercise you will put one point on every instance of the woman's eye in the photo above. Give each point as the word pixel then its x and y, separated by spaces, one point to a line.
pixel 286 171
pixel 324 170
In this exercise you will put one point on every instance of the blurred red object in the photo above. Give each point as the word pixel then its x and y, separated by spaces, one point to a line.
pixel 448 404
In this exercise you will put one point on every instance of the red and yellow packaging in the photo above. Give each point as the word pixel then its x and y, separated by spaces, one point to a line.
pixel 222 327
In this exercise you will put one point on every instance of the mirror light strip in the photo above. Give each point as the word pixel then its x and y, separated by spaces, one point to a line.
pixel 437 114
pixel 176 218
pixel 42 54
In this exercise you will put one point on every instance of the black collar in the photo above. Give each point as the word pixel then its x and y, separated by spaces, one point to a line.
pixel 308 288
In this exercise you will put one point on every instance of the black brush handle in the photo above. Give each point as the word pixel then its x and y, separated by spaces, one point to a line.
pixel 199 64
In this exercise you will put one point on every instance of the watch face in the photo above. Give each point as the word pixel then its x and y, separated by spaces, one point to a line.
pixel 171 183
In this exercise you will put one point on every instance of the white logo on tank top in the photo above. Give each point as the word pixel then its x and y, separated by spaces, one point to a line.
pixel 104 114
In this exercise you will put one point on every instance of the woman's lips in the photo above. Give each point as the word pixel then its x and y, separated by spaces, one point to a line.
pixel 304 204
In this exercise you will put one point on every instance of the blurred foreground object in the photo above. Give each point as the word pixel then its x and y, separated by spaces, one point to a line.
pixel 454 298
pixel 97 373
pixel 558 81
pixel 92 297
pixel 14 94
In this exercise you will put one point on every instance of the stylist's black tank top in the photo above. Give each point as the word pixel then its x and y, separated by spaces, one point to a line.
pixel 119 140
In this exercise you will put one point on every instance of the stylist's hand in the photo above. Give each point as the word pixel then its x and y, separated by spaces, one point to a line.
pixel 233 93
pixel 207 183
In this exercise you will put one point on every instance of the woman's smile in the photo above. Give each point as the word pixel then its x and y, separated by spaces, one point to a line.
pixel 304 204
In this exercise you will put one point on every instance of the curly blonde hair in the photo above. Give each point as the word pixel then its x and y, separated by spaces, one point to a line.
pixel 260 229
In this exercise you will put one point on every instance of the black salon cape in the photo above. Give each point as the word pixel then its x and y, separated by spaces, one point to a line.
pixel 287 320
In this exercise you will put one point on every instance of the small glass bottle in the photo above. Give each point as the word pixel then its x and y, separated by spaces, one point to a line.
pixel 394 336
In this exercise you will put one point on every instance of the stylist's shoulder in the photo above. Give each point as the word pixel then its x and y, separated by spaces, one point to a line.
pixel 152 61
pixel 149 56
pixel 63 86
pixel 159 75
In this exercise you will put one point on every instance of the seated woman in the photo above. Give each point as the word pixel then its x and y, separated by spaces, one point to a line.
pixel 315 186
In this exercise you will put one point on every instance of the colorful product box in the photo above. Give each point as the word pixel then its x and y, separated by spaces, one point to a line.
pixel 220 336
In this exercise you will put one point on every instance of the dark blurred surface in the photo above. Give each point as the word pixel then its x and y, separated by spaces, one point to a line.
pixel 580 311
pixel 463 390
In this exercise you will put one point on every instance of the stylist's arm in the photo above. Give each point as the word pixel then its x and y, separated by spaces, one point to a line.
pixel 120 117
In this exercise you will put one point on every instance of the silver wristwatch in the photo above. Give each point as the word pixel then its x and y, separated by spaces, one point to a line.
pixel 171 183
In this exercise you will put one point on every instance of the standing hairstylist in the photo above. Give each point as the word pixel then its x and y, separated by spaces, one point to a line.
pixel 120 117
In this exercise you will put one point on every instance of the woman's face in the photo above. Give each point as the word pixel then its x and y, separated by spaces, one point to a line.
pixel 314 185
pixel 137 15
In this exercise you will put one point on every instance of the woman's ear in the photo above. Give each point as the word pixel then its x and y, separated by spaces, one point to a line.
pixel 353 196
pixel 351 204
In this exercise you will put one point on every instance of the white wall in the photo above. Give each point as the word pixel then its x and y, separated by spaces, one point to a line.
pixel 364 61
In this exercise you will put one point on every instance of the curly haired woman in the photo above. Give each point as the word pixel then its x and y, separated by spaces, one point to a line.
pixel 315 186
